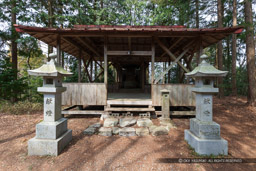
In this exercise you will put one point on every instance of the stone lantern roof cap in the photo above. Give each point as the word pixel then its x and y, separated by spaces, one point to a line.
pixel 50 69
pixel 206 70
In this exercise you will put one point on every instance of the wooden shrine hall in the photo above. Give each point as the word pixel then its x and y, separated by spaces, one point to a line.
pixel 132 51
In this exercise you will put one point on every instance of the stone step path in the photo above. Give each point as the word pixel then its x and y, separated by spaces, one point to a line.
pixel 122 127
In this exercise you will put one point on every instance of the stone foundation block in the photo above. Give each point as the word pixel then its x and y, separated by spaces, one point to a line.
pixel 127 132
pixel 160 130
pixel 125 122
pixel 115 130
pixel 144 122
pixel 105 131
pixel 110 122
pixel 96 125
pixel 89 131
pixel 206 146
pixel 205 130
pixel 43 147
pixel 51 130
pixel 142 131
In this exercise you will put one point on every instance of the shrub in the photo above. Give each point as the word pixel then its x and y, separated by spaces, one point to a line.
pixel 21 107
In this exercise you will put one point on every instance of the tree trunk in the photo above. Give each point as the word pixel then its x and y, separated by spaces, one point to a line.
pixel 13 43
pixel 250 52
pixel 220 48
pixel 233 77
pixel 197 26
pixel 50 24
pixel 14 46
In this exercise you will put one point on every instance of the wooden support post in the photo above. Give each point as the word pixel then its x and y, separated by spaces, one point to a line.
pixel 95 70
pixel 105 61
pixel 59 62
pixel 153 62
pixel 163 71
pixel 169 73
pixel 79 65
pixel 62 59
pixel 200 50
pixel 91 69
pixel 142 71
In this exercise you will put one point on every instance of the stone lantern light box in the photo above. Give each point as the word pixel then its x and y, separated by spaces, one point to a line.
pixel 52 134
pixel 204 133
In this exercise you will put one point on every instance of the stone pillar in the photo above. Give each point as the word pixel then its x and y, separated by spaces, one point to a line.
pixel 165 94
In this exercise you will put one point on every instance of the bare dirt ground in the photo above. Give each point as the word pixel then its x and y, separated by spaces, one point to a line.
pixel 96 152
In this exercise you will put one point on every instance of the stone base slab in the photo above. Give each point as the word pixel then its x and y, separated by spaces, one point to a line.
pixel 127 132
pixel 105 131
pixel 205 130
pixel 42 147
pixel 206 146
pixel 142 131
pixel 144 122
pixel 110 122
pixel 51 130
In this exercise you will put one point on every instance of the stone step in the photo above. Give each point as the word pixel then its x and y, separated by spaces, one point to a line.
pixel 123 109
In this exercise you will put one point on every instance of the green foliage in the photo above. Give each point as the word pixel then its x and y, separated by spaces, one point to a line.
pixel 21 107
pixel 9 87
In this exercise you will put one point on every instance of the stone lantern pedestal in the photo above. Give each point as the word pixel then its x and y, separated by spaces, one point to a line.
pixel 204 133
pixel 52 134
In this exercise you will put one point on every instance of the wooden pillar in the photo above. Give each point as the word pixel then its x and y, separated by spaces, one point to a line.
pixel 62 59
pixel 79 65
pixel 164 67
pixel 105 61
pixel 200 50
pixel 59 62
pixel 169 73
pixel 91 69
pixel 95 71
pixel 142 70
pixel 153 62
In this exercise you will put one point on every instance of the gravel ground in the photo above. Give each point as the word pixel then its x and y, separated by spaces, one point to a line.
pixel 96 152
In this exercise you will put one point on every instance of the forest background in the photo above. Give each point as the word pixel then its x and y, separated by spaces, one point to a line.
pixel 18 53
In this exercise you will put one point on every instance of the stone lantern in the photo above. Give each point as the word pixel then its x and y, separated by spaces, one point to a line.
pixel 204 133
pixel 52 134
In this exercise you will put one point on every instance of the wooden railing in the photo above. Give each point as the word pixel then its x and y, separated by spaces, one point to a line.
pixel 84 94
pixel 180 94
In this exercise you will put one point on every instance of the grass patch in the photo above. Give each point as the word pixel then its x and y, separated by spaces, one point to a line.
pixel 21 107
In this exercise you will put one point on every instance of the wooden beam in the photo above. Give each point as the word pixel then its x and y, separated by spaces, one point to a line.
pixel 86 68
pixel 82 112
pixel 174 44
pixel 44 36
pixel 105 61
pixel 88 46
pixel 166 71
pixel 136 53
pixel 170 54
pixel 75 44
